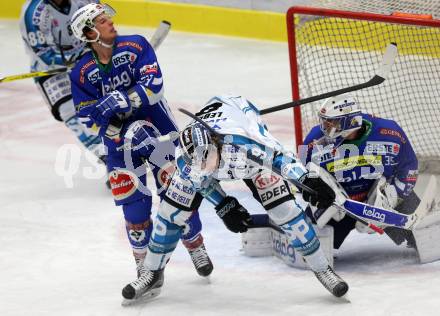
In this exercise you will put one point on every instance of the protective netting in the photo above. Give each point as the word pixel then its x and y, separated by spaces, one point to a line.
pixel 380 6
pixel 334 53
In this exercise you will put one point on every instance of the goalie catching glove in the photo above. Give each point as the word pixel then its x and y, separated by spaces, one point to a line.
pixel 235 217
pixel 323 197
pixel 386 195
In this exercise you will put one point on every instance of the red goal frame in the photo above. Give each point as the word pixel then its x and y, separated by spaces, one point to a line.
pixel 409 19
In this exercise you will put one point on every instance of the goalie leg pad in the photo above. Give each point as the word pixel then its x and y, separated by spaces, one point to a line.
pixel 266 239
pixel 426 235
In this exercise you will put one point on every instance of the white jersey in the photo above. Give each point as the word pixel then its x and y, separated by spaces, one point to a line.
pixel 240 120
pixel 235 115
pixel 44 29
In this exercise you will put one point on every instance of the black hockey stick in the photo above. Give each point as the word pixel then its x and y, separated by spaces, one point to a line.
pixel 380 76
pixel 250 154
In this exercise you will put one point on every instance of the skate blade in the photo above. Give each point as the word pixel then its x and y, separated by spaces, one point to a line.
pixel 143 299
pixel 344 298
pixel 207 279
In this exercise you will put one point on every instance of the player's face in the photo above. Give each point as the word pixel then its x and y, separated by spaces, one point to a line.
pixel 210 164
pixel 104 24
pixel 330 126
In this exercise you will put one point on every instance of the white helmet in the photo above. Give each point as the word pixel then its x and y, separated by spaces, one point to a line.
pixel 340 116
pixel 84 17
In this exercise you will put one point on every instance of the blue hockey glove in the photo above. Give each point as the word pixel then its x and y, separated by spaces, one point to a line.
pixel 142 137
pixel 87 121
pixel 109 106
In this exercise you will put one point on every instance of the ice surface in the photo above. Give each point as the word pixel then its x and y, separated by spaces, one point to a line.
pixel 63 251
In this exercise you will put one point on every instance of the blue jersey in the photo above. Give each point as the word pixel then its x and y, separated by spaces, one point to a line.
pixel 382 150
pixel 133 69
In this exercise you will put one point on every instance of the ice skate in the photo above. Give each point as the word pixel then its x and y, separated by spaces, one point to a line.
pixel 201 260
pixel 145 288
pixel 140 266
pixel 332 282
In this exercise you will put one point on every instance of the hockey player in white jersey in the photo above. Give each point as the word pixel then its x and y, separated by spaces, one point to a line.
pixel 44 26
pixel 203 162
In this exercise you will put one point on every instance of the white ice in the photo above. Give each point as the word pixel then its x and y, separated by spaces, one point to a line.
pixel 63 251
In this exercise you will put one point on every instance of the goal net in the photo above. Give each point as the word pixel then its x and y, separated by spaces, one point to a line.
pixel 335 44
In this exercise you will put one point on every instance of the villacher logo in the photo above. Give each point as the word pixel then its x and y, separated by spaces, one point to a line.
pixel 373 213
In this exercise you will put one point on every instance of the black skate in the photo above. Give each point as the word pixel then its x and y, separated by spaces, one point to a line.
pixel 201 261
pixel 144 288
pixel 332 282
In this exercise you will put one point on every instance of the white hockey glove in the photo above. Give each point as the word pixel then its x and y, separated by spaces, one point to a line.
pixel 386 195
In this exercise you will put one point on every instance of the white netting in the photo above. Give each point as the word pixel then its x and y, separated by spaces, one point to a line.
pixel 334 53
pixel 381 6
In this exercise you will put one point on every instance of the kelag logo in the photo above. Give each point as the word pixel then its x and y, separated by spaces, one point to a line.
pixel 282 247
pixel 374 214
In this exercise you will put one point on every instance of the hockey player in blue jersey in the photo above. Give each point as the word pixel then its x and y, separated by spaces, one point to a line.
pixel 371 158
pixel 118 89
pixel 203 162
pixel 50 44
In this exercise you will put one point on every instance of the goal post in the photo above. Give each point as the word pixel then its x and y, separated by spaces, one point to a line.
pixel 331 49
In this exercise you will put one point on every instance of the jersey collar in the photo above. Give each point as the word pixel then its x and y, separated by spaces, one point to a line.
pixel 367 127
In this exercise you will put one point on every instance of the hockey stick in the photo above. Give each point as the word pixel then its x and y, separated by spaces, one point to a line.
pixel 157 39
pixel 159 35
pixel 380 76
pixel 33 74
pixel 259 160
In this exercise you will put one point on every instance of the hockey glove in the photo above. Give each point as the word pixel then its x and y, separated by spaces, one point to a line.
pixel 324 196
pixel 142 137
pixel 109 106
pixel 235 217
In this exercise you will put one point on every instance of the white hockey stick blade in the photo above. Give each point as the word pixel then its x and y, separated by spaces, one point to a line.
pixel 388 61
pixel 160 34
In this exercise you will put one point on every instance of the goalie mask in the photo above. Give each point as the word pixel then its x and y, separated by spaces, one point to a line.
pixel 340 116
pixel 85 16
pixel 199 151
